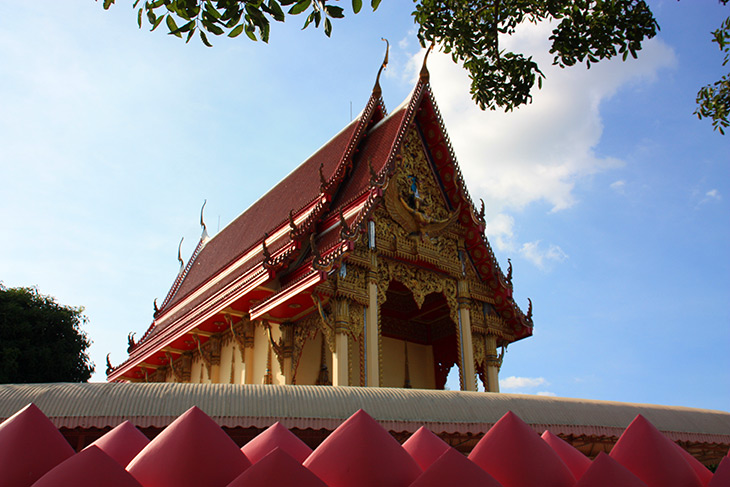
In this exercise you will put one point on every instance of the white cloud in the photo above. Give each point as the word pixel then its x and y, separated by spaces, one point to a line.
pixel 618 186
pixel 713 194
pixel 500 231
pixel 539 256
pixel 513 382
pixel 539 152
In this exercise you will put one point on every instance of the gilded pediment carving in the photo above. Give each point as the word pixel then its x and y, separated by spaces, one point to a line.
pixel 413 198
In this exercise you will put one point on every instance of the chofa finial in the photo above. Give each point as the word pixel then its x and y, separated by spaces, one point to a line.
pixel 179 257
pixel 424 70
pixel 376 89
pixel 204 235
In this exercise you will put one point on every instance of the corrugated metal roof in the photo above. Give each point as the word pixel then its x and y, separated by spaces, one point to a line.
pixel 157 404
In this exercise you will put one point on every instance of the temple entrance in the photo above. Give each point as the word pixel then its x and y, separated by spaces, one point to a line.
pixel 420 346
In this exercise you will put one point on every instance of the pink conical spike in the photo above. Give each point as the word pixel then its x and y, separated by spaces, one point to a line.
pixel 276 436
pixel 30 446
pixel 360 453
pixel 516 456
pixel 193 451
pixel 425 447
pixel 653 457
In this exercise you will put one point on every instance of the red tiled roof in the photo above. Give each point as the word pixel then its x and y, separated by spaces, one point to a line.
pixel 293 193
pixel 298 191
pixel 369 144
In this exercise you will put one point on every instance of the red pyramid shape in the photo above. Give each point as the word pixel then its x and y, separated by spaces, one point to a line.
pixel 122 444
pixel 193 451
pixel 276 436
pixel 453 468
pixel 703 473
pixel 573 459
pixel 515 455
pixel 30 446
pixel 360 453
pixel 721 478
pixel 425 447
pixel 607 472
pixel 89 468
pixel 652 457
pixel 277 469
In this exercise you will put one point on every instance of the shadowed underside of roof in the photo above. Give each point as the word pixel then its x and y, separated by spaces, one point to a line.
pixel 100 405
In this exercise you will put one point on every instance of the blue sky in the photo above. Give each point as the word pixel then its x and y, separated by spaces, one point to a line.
pixel 608 195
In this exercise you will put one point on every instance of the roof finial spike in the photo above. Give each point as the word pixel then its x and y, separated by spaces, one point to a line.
pixel 322 179
pixel 376 89
pixel 179 257
pixel 265 248
pixel 204 235
pixel 424 76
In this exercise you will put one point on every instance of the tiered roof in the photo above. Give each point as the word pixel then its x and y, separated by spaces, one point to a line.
pixel 304 225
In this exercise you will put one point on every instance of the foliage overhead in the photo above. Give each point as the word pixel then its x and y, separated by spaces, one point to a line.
pixel 713 101
pixel 585 31
pixel 41 340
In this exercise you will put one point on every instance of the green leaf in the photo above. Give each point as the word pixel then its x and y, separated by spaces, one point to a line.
pixel 139 18
pixel 185 28
pixel 190 35
pixel 356 5
pixel 375 4
pixel 156 4
pixel 212 10
pixel 172 26
pixel 134 5
pixel 204 38
pixel 237 31
pixel 300 7
pixel 309 20
pixel 214 29
pixel 335 12
pixel 107 4
pixel 276 11
pixel 250 32
pixel 158 22
pixel 327 27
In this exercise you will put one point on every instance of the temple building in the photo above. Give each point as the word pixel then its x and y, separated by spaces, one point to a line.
pixel 368 265
pixel 367 268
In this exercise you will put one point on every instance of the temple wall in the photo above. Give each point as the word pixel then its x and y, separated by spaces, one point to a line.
pixel 277 375
pixel 199 372
pixel 237 368
pixel 308 369
pixel 420 364
pixel 260 354
pixel 226 362
pixel 355 362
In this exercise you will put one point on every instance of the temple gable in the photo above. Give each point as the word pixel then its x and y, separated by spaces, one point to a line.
pixel 381 275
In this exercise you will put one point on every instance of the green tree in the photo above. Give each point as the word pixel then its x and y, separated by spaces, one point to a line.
pixel 713 101
pixel 41 340
pixel 586 31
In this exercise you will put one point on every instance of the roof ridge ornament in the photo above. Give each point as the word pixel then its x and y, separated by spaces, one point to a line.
pixel 292 224
pixel 424 76
pixel 179 257
pixel 265 249
pixel 203 236
pixel 377 91
pixel 322 179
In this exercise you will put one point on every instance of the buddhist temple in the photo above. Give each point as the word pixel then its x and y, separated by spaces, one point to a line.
pixel 368 265
pixel 367 269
